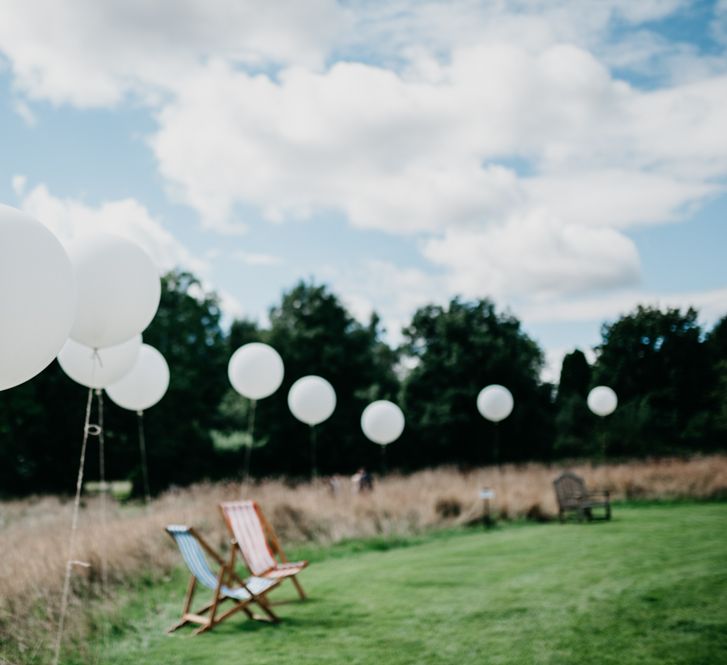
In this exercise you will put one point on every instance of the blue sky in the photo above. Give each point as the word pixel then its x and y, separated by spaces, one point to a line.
pixel 567 163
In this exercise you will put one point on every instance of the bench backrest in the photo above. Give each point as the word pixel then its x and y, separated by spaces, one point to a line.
pixel 570 490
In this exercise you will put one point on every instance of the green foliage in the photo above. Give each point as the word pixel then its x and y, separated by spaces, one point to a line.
pixel 315 334
pixel 574 423
pixel 562 594
pixel 671 380
pixel 457 351
pixel 187 331
pixel 656 362
pixel 717 350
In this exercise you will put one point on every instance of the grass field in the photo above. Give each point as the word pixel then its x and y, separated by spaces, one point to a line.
pixel 648 587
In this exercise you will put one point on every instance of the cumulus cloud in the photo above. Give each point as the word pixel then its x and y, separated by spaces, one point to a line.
pixel 711 303
pixel 93 54
pixel 70 218
pixel 536 255
pixel 392 291
pixel 495 135
pixel 257 258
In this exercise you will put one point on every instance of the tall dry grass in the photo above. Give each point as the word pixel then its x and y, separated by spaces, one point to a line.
pixel 34 532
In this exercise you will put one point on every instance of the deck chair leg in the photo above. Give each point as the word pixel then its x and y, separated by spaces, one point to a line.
pixel 187 604
pixel 203 629
pixel 177 626
pixel 265 606
pixel 301 593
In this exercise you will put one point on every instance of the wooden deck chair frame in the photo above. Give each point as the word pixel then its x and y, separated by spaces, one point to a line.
pixel 207 617
pixel 281 569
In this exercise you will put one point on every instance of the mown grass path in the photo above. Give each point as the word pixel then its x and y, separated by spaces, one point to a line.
pixel 648 587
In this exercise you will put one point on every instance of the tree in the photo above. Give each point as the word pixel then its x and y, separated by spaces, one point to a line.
pixel 315 334
pixel 716 344
pixel 573 421
pixel 456 352
pixel 41 426
pixel 187 331
pixel 656 362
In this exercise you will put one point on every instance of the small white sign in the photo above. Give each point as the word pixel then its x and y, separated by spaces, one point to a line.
pixel 487 494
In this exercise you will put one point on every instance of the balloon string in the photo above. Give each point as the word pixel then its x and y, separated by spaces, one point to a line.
pixel 314 470
pixel 250 437
pixel 104 490
pixel 142 451
pixel 72 538
pixel 496 444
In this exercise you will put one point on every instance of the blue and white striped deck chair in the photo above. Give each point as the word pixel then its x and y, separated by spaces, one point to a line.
pixel 252 590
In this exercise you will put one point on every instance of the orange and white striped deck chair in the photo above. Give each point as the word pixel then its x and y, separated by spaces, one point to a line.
pixel 257 543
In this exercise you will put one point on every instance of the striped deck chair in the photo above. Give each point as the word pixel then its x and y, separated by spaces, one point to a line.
pixel 193 547
pixel 257 543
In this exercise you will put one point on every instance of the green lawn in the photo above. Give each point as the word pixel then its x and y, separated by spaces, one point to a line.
pixel 648 587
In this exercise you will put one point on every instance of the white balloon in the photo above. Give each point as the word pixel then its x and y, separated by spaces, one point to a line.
pixel 495 402
pixel 37 297
pixel 602 401
pixel 145 384
pixel 382 422
pixel 312 399
pixel 118 290
pixel 98 369
pixel 255 370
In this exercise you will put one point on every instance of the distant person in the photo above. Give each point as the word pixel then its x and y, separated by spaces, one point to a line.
pixel 362 481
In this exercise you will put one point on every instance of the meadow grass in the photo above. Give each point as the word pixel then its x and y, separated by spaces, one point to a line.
pixel 648 587
pixel 34 531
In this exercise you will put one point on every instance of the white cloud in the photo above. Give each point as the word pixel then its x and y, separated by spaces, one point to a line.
pixel 18 183
pixel 407 155
pixel 535 255
pixel 391 291
pixel 25 112
pixel 70 218
pixel 711 303
pixel 618 198
pixel 419 156
pixel 719 21
pixel 91 54
pixel 494 134
pixel 257 258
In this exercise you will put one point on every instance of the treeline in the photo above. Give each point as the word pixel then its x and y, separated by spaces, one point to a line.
pixel 670 376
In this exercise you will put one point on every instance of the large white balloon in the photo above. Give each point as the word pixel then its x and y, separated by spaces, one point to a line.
pixel 145 384
pixel 98 369
pixel 602 401
pixel 255 370
pixel 37 297
pixel 382 422
pixel 312 399
pixel 495 402
pixel 118 290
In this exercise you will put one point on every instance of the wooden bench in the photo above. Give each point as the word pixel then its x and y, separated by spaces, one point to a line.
pixel 572 495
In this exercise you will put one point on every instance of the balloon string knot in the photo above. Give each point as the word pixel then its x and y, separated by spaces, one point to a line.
pixel 93 430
